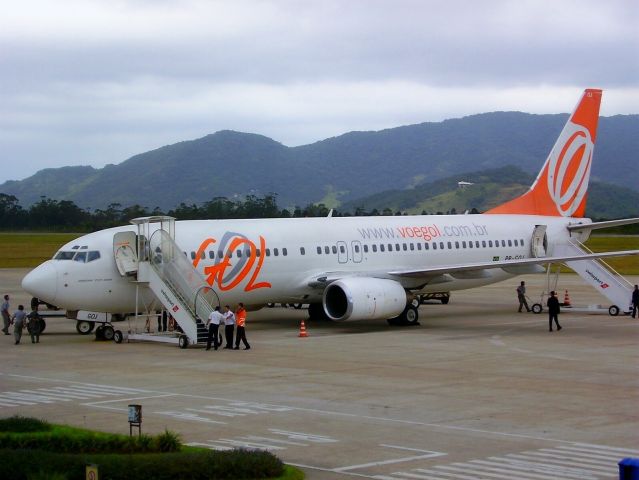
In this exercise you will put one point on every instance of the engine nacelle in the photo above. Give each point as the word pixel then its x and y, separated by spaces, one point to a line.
pixel 363 298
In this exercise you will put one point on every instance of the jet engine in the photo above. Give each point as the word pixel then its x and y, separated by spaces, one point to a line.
pixel 362 298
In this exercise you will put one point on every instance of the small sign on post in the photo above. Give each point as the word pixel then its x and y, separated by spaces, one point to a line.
pixel 135 419
pixel 91 472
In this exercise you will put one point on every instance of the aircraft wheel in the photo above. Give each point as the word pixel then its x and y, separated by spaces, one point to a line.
pixel 117 336
pixel 613 310
pixel 43 325
pixel 415 302
pixel 445 300
pixel 270 305
pixel 183 341
pixel 411 315
pixel 83 327
pixel 108 332
pixel 297 306
pixel 537 308
pixel 99 333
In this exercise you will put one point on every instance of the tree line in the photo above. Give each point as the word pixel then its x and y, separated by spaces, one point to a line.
pixel 64 215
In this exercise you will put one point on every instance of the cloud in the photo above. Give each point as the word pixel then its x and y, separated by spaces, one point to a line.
pixel 98 81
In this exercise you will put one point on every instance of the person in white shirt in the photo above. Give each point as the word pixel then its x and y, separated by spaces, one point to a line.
pixel 213 323
pixel 229 326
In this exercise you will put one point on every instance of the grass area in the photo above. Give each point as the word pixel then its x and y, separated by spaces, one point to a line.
pixel 624 265
pixel 20 250
pixel 31 449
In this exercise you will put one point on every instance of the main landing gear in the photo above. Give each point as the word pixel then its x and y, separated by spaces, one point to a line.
pixel 409 317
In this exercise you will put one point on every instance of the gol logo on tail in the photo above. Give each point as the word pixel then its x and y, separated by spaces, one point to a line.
pixel 248 266
pixel 569 169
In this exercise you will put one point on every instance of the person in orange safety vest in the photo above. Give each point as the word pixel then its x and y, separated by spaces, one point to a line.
pixel 240 323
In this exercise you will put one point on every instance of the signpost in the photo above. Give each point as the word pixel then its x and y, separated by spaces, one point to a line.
pixel 135 419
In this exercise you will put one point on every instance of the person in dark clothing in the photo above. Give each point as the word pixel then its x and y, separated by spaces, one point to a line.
pixel 162 321
pixel 521 296
pixel 213 323
pixel 635 301
pixel 553 311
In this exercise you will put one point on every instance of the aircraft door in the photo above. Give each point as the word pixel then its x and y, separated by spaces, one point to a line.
pixel 342 252
pixel 125 252
pixel 356 246
pixel 539 244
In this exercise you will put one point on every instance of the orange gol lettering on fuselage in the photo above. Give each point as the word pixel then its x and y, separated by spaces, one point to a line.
pixel 215 274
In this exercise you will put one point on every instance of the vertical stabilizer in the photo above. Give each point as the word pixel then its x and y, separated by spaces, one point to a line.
pixel 561 187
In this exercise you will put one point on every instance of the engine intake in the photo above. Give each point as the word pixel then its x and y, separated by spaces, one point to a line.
pixel 363 298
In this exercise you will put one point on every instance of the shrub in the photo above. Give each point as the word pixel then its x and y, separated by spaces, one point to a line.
pixel 23 424
pixel 168 441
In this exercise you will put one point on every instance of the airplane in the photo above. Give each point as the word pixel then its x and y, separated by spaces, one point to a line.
pixel 345 268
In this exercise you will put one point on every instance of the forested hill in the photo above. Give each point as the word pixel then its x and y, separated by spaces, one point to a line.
pixel 335 170
pixel 489 188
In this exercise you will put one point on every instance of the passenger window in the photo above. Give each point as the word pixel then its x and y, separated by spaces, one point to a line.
pixel 381 247
pixel 302 251
pixel 211 254
pixel 510 243
pixel 426 246
pixel 192 255
pixel 434 245
pixel 365 248
pixel 319 250
pixel 490 243
pixel 276 252
pixel 470 244
pixel 327 250
pixel 220 254
pixel 503 243
pixel 390 247
pixel 93 255
pixel 412 247
pixel 258 252
pixel 247 252
pixel 342 249
pixel 268 252
pixel 80 257
pixel 284 252
pixel 477 244
pixel 521 241
pixel 516 242
pixel 374 248
pixel 397 247
pixel 356 248
pixel 450 246
pixel 419 247
pixel 483 243
pixel 239 253
pixel 456 245
pixel 334 248
pixel 464 244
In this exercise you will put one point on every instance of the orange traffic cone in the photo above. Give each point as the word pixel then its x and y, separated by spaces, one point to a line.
pixel 303 332
pixel 567 300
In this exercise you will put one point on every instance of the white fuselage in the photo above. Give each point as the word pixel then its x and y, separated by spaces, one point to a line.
pixel 280 260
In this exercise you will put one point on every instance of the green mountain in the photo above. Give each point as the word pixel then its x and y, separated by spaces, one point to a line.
pixel 490 188
pixel 334 170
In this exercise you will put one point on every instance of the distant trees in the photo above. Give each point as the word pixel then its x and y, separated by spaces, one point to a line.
pixel 64 215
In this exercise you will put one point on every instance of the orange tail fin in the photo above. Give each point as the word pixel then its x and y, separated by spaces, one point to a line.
pixel 561 187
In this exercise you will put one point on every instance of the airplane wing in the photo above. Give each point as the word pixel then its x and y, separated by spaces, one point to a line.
pixel 606 224
pixel 505 264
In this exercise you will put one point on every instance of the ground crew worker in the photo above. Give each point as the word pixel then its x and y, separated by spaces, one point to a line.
pixel 553 311
pixel 635 301
pixel 6 316
pixel 240 319
pixel 33 325
pixel 229 326
pixel 18 323
pixel 521 296
pixel 213 323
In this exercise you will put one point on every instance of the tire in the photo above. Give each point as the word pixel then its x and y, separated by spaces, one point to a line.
pixel 108 333
pixel 410 315
pixel 537 308
pixel 445 300
pixel 99 333
pixel 613 310
pixel 297 306
pixel 117 336
pixel 183 341
pixel 83 327
pixel 43 325
pixel 270 305
pixel 415 302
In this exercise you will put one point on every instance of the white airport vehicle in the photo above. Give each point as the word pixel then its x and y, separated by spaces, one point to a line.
pixel 345 268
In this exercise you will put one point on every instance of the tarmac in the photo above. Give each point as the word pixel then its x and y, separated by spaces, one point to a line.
pixel 477 391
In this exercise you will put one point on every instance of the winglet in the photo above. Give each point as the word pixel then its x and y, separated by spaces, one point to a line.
pixel 561 187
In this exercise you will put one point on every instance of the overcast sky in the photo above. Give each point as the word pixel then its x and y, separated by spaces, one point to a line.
pixel 91 82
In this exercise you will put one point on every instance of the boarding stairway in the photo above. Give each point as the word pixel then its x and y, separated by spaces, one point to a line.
pixel 167 272
pixel 599 274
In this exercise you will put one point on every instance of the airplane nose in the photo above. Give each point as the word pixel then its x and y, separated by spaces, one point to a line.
pixel 42 282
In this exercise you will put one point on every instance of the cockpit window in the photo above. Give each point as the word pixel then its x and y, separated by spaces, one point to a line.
pixel 64 256
pixel 93 255
pixel 80 257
